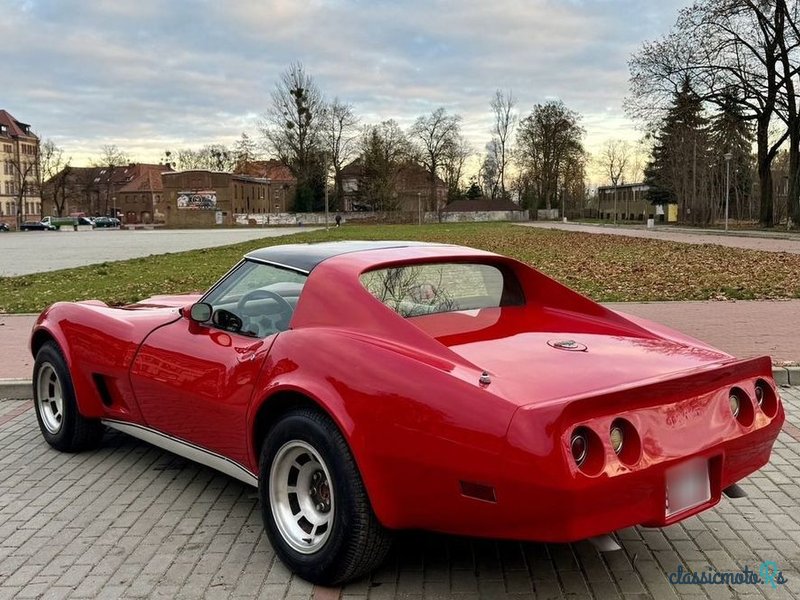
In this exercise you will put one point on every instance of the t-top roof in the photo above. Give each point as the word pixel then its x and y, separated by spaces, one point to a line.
pixel 304 257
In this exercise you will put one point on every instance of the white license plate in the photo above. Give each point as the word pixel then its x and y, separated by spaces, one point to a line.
pixel 687 486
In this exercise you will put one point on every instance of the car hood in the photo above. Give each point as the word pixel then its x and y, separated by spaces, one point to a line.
pixel 165 301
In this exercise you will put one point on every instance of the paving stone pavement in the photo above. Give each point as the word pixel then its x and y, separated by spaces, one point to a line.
pixel 129 520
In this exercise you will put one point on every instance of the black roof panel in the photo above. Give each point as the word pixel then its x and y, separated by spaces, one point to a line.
pixel 305 257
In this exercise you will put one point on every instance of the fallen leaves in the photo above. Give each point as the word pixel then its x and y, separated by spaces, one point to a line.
pixel 604 267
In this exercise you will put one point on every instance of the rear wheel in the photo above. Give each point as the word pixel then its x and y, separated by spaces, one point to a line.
pixel 315 508
pixel 62 426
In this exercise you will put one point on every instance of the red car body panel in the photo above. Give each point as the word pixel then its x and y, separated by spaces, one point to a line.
pixel 408 397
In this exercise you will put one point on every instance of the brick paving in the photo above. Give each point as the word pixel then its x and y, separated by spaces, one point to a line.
pixel 129 520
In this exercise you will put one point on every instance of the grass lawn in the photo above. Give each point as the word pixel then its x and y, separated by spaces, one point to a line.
pixel 606 268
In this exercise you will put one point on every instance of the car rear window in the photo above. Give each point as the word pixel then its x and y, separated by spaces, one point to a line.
pixel 423 289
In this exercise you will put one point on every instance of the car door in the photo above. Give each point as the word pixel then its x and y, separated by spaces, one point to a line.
pixel 194 380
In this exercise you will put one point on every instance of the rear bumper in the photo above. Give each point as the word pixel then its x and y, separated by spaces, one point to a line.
pixel 582 509
pixel 557 501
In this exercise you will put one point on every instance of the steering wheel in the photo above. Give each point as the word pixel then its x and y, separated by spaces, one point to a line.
pixel 282 305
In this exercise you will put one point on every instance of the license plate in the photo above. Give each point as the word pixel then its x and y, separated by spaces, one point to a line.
pixel 687 486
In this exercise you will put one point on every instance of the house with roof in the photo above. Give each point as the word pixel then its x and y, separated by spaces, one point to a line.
pixel 132 192
pixel 407 189
pixel 19 171
pixel 281 185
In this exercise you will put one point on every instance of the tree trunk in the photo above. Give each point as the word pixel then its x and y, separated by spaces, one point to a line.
pixel 764 173
pixel 793 192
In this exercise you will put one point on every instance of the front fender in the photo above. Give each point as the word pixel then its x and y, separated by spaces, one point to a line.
pixel 99 342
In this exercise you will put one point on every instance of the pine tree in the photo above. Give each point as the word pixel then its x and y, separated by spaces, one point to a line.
pixel 677 171
pixel 731 133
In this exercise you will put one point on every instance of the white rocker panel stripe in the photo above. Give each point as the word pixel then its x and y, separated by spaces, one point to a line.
pixel 186 450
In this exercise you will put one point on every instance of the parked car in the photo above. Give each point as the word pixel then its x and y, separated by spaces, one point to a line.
pixel 106 222
pixel 4 227
pixel 368 387
pixel 36 226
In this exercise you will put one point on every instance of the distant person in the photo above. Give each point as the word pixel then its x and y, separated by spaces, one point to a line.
pixel 338 220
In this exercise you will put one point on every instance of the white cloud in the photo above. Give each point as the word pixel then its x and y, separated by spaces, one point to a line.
pixel 151 75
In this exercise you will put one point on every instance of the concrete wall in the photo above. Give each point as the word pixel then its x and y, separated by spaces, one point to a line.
pixel 394 217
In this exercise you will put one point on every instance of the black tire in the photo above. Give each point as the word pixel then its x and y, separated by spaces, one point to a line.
pixel 64 428
pixel 356 542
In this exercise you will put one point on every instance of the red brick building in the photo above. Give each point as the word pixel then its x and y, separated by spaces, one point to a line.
pixel 132 192
pixel 281 184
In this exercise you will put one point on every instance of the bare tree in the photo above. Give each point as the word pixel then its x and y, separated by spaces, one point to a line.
pixel 243 153
pixel 548 140
pixel 292 129
pixel 455 156
pixel 614 159
pixel 489 174
pixel 211 157
pixel 505 120
pixel 724 49
pixel 111 157
pixel 433 134
pixel 340 139
pixel 384 151
pixel 52 175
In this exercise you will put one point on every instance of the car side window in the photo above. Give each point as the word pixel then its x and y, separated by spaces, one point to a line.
pixel 255 299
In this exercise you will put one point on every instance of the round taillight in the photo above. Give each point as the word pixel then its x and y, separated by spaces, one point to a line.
pixel 735 404
pixel 741 406
pixel 580 447
pixel 760 393
pixel 617 438
pixel 767 398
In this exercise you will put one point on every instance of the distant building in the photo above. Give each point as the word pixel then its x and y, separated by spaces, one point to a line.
pixel 131 192
pixel 412 188
pixel 19 155
pixel 281 184
pixel 202 198
pixel 624 203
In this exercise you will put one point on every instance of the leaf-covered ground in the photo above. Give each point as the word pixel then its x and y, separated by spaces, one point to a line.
pixel 606 268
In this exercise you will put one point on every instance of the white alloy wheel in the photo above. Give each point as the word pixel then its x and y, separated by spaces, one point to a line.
pixel 301 496
pixel 50 396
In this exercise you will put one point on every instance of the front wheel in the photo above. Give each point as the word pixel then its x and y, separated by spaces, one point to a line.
pixel 62 425
pixel 315 508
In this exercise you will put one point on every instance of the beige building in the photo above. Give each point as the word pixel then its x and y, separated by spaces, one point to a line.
pixel 625 203
pixel 19 171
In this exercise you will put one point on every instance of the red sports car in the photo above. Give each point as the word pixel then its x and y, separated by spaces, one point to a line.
pixel 366 387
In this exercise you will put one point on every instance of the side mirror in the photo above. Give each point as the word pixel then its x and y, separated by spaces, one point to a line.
pixel 200 312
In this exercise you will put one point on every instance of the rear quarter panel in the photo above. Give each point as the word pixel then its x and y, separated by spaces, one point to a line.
pixel 416 424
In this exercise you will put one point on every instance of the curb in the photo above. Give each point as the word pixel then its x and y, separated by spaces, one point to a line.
pixel 786 375
pixel 22 389
pixel 16 389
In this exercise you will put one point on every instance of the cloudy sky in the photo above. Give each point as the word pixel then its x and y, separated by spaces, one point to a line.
pixel 153 74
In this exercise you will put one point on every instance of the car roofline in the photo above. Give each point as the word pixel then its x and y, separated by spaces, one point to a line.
pixel 303 258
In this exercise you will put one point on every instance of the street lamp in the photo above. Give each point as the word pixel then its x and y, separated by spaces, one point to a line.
pixel 419 206
pixel 728 157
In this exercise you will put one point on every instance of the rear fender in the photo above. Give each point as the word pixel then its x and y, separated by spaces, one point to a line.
pixel 414 427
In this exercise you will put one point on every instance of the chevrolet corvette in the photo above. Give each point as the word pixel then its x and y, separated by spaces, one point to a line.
pixel 369 387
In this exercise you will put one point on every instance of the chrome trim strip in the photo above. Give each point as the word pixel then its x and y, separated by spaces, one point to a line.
pixel 272 263
pixel 185 449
